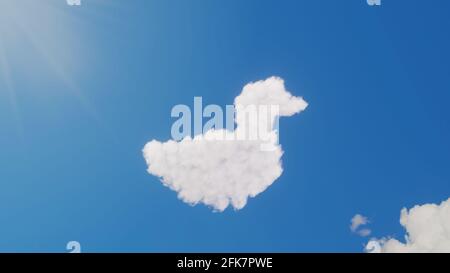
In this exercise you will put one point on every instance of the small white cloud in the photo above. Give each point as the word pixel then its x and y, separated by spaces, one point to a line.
pixel 73 2
pixel 217 172
pixel 427 230
pixel 356 222
pixel 364 232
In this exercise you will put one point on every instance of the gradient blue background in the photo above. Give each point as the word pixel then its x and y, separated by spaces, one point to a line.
pixel 374 139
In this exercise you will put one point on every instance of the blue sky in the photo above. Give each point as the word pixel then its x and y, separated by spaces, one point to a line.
pixel 82 89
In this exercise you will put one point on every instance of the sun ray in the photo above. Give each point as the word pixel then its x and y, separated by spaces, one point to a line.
pixel 5 74
pixel 61 72
pixel 42 24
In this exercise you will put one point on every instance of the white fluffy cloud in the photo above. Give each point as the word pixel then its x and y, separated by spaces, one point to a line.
pixel 217 172
pixel 356 222
pixel 427 230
